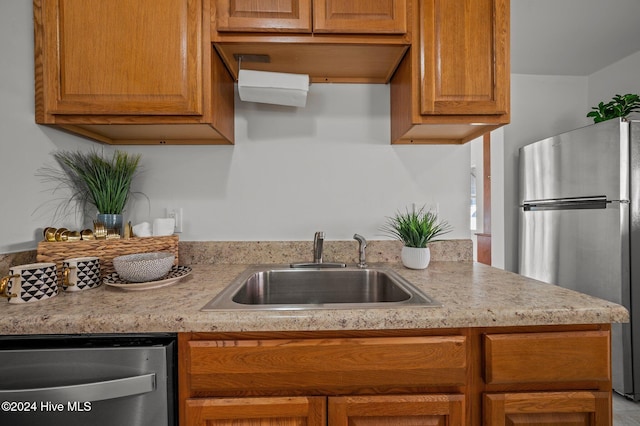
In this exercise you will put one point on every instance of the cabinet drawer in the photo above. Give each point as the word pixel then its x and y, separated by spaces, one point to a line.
pixel 230 367
pixel 547 357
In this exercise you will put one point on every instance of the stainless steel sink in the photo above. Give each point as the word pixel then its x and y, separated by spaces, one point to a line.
pixel 266 287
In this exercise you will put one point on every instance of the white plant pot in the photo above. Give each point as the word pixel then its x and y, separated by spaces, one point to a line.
pixel 415 258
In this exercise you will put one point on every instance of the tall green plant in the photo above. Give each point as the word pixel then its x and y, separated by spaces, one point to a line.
pixel 94 179
pixel 416 228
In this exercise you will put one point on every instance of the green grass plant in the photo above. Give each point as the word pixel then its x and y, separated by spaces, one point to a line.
pixel 415 228
pixel 98 180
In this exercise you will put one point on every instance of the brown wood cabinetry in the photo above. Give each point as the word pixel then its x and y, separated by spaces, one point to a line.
pixel 454 84
pixel 329 16
pixel 501 376
pixel 361 16
pixel 263 16
pixel 163 71
pixel 534 357
pixel 123 72
pixel 281 411
pixel 332 41
pixel 397 410
pixel 578 361
pixel 548 408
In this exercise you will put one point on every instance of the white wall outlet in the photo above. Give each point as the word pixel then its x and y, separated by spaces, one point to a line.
pixel 175 213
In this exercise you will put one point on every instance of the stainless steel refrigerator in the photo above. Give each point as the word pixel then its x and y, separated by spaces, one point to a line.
pixel 580 225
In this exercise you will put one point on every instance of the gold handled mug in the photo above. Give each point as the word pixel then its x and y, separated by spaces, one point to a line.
pixel 80 273
pixel 5 289
pixel 30 283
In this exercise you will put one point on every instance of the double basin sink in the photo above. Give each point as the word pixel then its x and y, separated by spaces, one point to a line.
pixel 282 288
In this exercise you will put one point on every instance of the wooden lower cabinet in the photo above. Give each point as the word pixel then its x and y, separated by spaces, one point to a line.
pixel 535 375
pixel 391 410
pixel 548 408
pixel 379 410
pixel 280 411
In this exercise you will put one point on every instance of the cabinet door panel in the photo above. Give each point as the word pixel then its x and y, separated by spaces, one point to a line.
pixel 464 56
pixel 298 411
pixel 547 357
pixel 263 15
pixel 223 367
pixel 123 57
pixel 550 408
pixel 360 16
pixel 397 410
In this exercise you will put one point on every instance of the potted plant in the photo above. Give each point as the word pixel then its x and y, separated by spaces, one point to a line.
pixel 96 180
pixel 619 106
pixel 416 229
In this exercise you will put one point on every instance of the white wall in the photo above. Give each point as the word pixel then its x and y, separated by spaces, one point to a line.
pixel 292 171
pixel 620 78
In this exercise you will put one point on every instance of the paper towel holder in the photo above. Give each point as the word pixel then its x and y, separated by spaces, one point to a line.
pixel 270 87
pixel 251 57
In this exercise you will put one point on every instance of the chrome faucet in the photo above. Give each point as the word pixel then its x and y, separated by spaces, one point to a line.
pixel 318 239
pixel 362 245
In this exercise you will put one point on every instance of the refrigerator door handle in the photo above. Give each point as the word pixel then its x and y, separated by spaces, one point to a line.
pixel 596 202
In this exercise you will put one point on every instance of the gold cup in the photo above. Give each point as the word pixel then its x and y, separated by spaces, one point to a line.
pixel 4 286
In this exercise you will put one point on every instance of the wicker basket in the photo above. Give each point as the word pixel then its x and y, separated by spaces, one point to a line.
pixel 106 250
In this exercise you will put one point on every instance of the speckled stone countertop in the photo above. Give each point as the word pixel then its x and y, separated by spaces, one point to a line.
pixel 471 294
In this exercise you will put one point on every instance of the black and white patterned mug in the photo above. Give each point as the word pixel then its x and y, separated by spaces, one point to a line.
pixel 30 283
pixel 81 273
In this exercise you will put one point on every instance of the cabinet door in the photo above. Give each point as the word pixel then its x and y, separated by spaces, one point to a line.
pixel 360 16
pixel 263 15
pixel 548 408
pixel 397 410
pixel 282 411
pixel 120 57
pixel 465 45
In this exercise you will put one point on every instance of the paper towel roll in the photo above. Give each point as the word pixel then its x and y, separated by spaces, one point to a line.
pixel 273 87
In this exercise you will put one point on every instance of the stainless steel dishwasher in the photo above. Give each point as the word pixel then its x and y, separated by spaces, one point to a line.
pixel 88 380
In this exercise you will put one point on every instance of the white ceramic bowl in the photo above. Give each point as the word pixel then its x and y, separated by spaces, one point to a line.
pixel 143 267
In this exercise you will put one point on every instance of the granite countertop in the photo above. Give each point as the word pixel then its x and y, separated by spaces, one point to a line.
pixel 471 294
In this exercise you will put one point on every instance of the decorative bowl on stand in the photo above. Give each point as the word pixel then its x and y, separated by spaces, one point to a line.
pixel 143 267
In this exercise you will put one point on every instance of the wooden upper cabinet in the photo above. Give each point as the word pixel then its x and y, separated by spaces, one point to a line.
pixel 360 16
pixel 464 56
pixel 329 16
pixel 263 15
pixel 122 57
pixel 131 72
pixel 454 85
